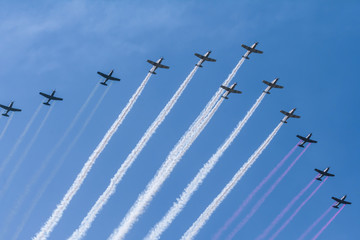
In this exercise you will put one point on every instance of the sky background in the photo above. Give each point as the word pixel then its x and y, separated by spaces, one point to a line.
pixel 312 46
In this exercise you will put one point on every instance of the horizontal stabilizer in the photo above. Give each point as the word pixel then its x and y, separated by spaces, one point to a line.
pixel 199 65
pixel 46 103
pixel 103 83
pixel 5 114
pixel 319 179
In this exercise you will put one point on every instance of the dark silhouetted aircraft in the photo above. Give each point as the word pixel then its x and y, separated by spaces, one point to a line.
pixel 157 65
pixel 305 140
pixel 9 109
pixel 271 85
pixel 251 50
pixel 289 115
pixel 204 58
pixel 323 173
pixel 340 201
pixel 229 90
pixel 50 97
pixel 108 77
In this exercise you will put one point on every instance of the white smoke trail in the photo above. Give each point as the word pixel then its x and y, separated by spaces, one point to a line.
pixel 60 208
pixel 200 222
pixel 6 126
pixel 177 207
pixel 173 158
pixel 19 140
pixel 23 156
pixel 5 226
pixel 102 200
pixel 53 173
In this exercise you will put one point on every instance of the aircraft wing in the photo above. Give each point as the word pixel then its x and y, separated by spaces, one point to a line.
pixel 45 95
pixel 4 107
pixel 235 91
pixel 336 199
pixel 330 174
pixel 103 75
pixel 163 66
pixel 319 171
pixel 295 116
pixel 302 138
pixel 286 113
pixel 277 86
pixel 346 202
pixel 14 109
pixel 210 59
pixel 246 47
pixel 226 88
pixel 255 50
pixel 113 78
pixel 152 62
pixel 56 98
pixel 199 56
pixel 311 141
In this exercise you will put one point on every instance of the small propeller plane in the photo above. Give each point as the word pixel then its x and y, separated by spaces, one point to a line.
pixel 50 97
pixel 9 109
pixel 229 90
pixel 251 50
pixel 108 77
pixel 340 201
pixel 289 115
pixel 157 65
pixel 204 58
pixel 324 173
pixel 271 85
pixel 305 140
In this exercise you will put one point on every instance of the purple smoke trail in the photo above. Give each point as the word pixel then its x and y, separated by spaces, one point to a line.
pixel 328 223
pixel 296 211
pixel 315 223
pixel 264 197
pixel 284 211
pixel 252 194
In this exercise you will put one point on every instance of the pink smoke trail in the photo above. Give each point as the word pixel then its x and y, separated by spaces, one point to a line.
pixel 315 223
pixel 264 197
pixel 252 194
pixel 328 223
pixel 296 211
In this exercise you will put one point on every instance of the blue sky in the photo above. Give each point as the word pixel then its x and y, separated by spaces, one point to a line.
pixel 311 46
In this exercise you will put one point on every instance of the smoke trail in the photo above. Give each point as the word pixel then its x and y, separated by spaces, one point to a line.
pixel 23 156
pixel 265 196
pixel 102 200
pixel 315 223
pixel 6 126
pixel 252 194
pixel 200 222
pixel 19 140
pixel 172 159
pixel 199 178
pixel 53 173
pixel 327 224
pixel 296 211
pixel 13 173
pixel 60 208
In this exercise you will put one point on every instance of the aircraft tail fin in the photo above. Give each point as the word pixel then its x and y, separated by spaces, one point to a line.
pixel 266 92
pixel 246 57
pixel 199 65
pixel 225 97
pixel 5 114
pixel 103 83
pixel 302 146
pixel 283 121
pixel 319 179
pixel 152 72
pixel 335 207
pixel 46 103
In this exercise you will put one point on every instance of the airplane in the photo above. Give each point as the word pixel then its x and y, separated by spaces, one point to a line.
pixel 157 64
pixel 108 77
pixel 340 201
pixel 271 85
pixel 204 58
pixel 251 50
pixel 289 115
pixel 229 90
pixel 50 97
pixel 305 140
pixel 9 109
pixel 323 173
